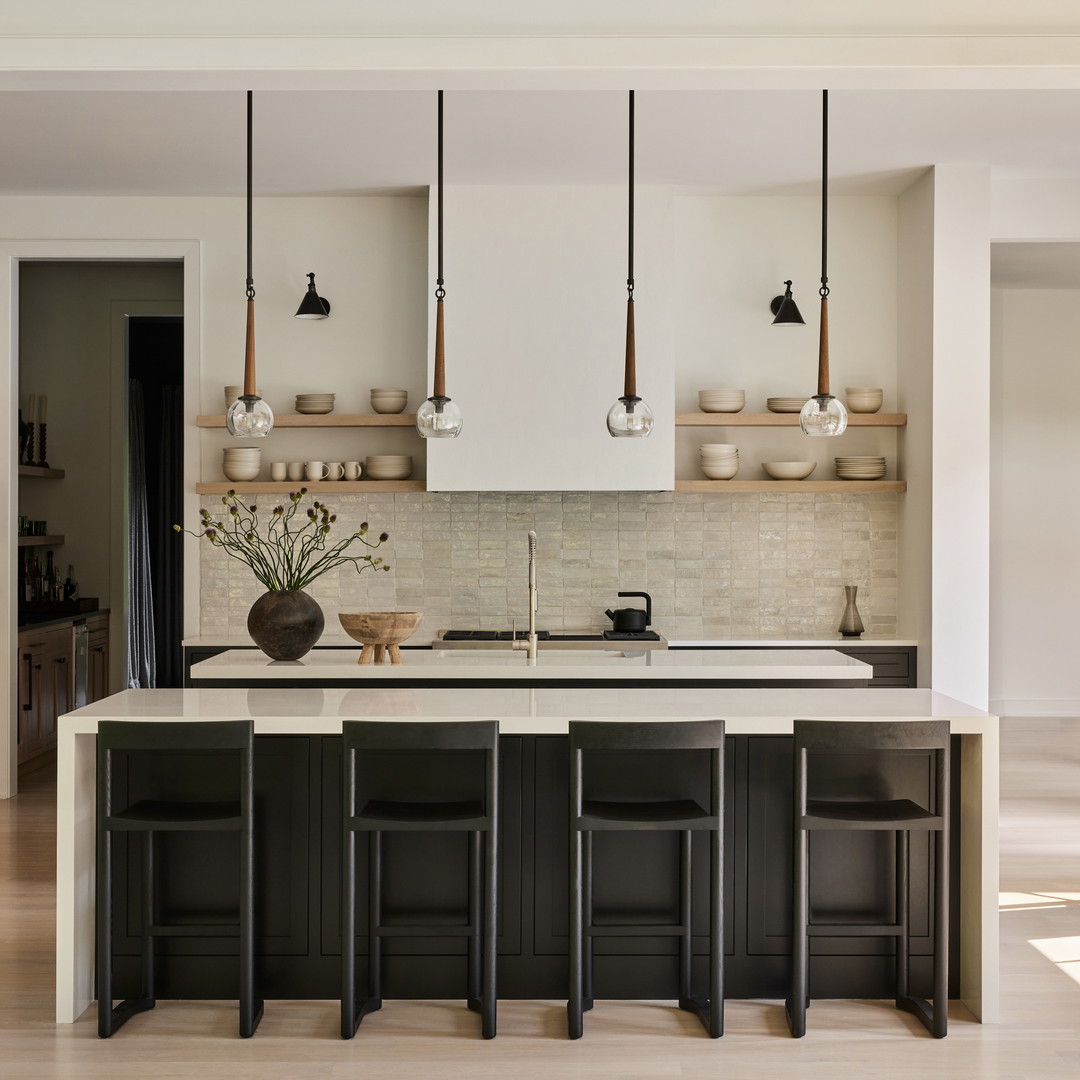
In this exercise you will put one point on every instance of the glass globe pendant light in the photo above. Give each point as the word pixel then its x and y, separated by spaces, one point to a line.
pixel 824 414
pixel 439 417
pixel 630 417
pixel 249 417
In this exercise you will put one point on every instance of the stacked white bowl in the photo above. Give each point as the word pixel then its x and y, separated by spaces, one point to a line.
pixel 388 401
pixel 232 393
pixel 721 400
pixel 785 404
pixel 863 398
pixel 241 462
pixel 860 467
pixel 719 461
pixel 788 470
pixel 388 467
pixel 314 403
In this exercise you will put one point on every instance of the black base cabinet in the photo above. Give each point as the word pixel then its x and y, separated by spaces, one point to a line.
pixel 298 793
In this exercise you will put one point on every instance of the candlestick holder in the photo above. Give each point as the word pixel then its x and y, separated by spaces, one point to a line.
pixel 28 446
pixel 41 462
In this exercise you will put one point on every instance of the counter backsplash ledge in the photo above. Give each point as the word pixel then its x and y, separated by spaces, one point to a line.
pixel 718 566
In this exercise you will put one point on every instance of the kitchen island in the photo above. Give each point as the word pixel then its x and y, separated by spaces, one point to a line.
pixel 298 760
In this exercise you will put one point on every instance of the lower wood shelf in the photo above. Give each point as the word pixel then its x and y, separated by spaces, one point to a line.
pixel 283 487
pixel 41 472
pixel 783 487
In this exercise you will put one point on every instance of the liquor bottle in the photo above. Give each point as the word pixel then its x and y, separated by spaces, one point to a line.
pixel 70 585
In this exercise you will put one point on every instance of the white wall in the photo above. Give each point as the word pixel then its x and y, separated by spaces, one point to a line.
pixel 1035 572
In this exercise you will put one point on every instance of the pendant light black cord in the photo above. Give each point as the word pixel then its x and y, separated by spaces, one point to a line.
pixel 250 280
pixel 440 292
pixel 824 290
pixel 630 231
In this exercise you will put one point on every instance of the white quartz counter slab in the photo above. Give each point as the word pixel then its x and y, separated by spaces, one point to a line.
pixel 757 665
pixel 524 711
pixel 793 643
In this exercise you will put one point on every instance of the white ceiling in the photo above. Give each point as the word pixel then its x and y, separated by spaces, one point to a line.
pixel 327 142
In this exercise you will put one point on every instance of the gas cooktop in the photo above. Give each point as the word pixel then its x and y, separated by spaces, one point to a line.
pixel 480 639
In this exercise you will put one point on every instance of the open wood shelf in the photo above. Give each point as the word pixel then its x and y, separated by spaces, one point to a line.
pixel 283 487
pixel 771 419
pixel 324 420
pixel 40 541
pixel 784 487
pixel 40 473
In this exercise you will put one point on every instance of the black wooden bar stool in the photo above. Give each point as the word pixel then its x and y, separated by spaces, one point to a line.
pixel 477 816
pixel 813 740
pixel 682 815
pixel 231 812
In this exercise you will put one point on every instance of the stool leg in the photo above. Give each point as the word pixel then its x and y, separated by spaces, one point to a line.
pixel 716 935
pixel 475 926
pixel 903 914
pixel 490 933
pixel 941 935
pixel 800 958
pixel 148 916
pixel 251 1007
pixel 349 1017
pixel 574 1005
pixel 104 933
pixel 374 921
pixel 686 938
pixel 587 944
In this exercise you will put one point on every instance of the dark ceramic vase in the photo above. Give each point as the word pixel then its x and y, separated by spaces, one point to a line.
pixel 285 624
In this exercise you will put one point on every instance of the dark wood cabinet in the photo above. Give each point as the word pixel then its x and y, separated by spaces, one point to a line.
pixel 97 675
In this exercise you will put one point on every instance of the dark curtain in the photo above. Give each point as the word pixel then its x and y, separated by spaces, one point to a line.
pixel 141 654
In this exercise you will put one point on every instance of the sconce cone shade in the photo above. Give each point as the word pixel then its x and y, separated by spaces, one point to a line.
pixel 786 310
pixel 313 306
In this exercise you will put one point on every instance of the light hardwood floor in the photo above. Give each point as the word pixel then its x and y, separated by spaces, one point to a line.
pixel 1039 1038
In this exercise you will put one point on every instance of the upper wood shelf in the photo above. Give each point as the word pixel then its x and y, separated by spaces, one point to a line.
pixel 283 487
pixel 40 473
pixel 771 419
pixel 790 487
pixel 40 541
pixel 285 420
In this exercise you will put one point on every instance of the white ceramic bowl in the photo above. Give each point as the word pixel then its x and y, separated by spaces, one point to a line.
pixel 788 470
pixel 719 472
pixel 863 399
pixel 388 467
pixel 236 471
pixel 721 400
pixel 389 401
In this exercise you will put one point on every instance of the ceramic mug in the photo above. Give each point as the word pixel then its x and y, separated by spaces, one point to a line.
pixel 334 470
pixel 316 470
pixel 352 470
pixel 278 470
pixel 295 470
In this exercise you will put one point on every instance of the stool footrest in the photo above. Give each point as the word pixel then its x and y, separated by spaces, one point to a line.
pixel 635 930
pixel 855 930
pixel 196 930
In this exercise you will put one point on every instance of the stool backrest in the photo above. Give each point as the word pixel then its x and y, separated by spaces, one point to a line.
pixel 420 734
pixel 651 736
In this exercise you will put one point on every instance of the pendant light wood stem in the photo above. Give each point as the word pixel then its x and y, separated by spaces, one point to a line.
pixel 439 387
pixel 630 376
pixel 823 349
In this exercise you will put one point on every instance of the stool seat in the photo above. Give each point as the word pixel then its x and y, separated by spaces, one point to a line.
pixel 161 812
pixel 872 813
pixel 419 812
pixel 669 811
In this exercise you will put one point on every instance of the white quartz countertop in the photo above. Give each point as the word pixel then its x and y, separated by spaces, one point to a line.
pixel 334 638
pixel 311 710
pixel 750 664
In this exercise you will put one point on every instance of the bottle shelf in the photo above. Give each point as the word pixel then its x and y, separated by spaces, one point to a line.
pixel 283 487
pixel 41 473
pixel 771 419
pixel 786 487
pixel 323 420
pixel 40 541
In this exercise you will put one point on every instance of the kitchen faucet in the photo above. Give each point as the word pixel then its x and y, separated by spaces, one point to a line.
pixel 529 644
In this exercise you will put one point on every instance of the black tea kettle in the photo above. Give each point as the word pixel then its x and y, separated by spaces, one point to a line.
pixel 631 620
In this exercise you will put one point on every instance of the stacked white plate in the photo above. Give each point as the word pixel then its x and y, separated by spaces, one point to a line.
pixel 314 403
pixel 721 400
pixel 860 467
pixel 388 467
pixel 785 404
pixel 719 461
pixel 241 462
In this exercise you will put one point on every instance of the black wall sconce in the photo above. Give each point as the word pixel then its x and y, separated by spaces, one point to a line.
pixel 785 309
pixel 313 306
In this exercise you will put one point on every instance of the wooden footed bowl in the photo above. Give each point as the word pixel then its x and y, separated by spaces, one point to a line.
pixel 380 632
